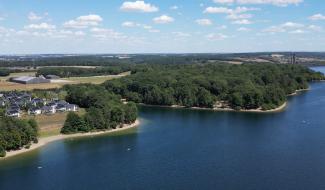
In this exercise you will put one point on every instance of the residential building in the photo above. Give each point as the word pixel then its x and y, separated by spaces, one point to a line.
pixel 48 110
pixel 13 113
pixel 35 111
pixel 72 107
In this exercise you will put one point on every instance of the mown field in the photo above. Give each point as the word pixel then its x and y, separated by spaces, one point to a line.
pixel 9 86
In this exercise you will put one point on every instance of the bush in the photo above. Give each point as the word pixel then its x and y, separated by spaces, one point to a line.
pixel 2 152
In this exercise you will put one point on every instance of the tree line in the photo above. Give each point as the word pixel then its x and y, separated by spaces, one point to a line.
pixel 104 110
pixel 246 86
pixel 16 133
pixel 83 72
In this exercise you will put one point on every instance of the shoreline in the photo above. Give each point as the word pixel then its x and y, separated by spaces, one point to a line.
pixel 259 110
pixel 42 141
pixel 297 91
pixel 278 109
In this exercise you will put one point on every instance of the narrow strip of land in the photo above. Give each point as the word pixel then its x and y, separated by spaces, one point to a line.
pixel 45 140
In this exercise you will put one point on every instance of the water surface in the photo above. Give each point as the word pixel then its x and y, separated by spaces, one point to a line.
pixel 188 149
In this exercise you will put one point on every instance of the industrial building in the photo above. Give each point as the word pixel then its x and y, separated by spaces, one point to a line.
pixel 29 80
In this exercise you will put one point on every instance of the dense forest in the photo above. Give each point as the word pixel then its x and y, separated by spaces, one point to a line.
pixel 104 110
pixel 109 60
pixel 33 61
pixel 16 134
pixel 84 72
pixel 247 86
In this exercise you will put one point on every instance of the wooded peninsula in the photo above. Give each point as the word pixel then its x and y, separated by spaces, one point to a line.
pixel 112 104
pixel 240 87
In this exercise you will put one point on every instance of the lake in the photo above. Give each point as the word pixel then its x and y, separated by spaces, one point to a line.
pixel 188 149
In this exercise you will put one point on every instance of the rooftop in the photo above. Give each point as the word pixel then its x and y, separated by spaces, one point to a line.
pixel 24 78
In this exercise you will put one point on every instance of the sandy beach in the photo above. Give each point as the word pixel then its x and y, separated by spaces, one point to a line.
pixel 297 91
pixel 45 140
pixel 278 109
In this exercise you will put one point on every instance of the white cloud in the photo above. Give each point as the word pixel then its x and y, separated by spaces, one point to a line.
pixel 22 33
pixel 147 27
pixel 182 34
pixel 317 17
pixel 174 7
pixel 34 17
pixel 83 21
pixel 225 10
pixel 41 33
pixel 222 27
pixel 66 32
pixel 224 1
pixel 204 22
pixel 243 29
pixel 4 30
pixel 41 26
pixel 273 2
pixel 315 28
pixel 138 6
pixel 104 34
pixel 242 22
pixel 163 19
pixel 129 24
pixel 218 10
pixel 154 31
pixel 239 16
pixel 218 36
pixel 298 31
pixel 281 3
pixel 292 25
pixel 80 33
pixel 2 18
pixel 285 27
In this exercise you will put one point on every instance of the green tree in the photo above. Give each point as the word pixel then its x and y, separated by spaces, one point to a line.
pixel 2 151
pixel 74 123
pixel 131 112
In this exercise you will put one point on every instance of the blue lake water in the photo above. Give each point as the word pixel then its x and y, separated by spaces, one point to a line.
pixel 188 149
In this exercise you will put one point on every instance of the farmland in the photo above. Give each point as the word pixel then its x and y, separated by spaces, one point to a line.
pixel 9 86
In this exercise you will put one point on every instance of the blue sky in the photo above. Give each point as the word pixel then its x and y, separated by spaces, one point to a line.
pixel 161 26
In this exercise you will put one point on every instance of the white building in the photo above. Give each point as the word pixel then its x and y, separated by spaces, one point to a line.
pixel 34 111
pixel 13 113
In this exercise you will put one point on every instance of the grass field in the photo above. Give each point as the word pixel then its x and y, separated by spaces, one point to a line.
pixel 9 86
pixel 92 80
pixel 17 75
pixel 51 124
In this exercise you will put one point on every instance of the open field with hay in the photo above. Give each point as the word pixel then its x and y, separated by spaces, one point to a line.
pixel 9 86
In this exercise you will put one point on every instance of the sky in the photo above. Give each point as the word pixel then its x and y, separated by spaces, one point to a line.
pixel 160 26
